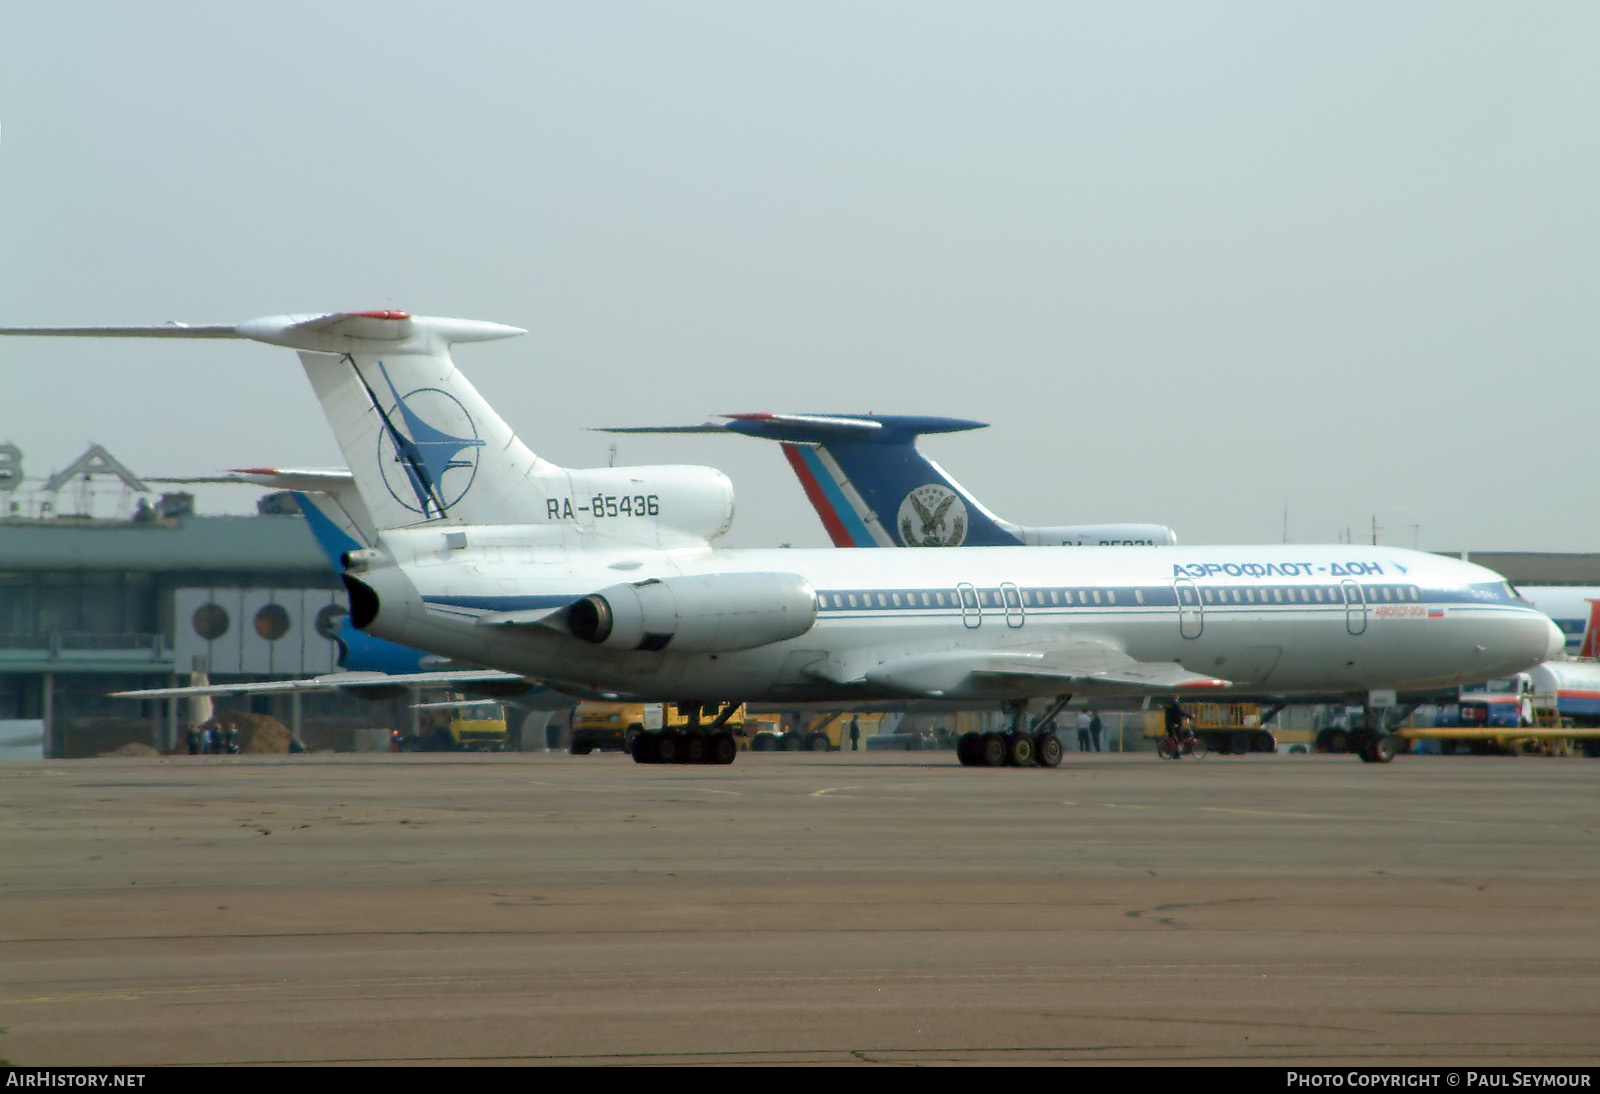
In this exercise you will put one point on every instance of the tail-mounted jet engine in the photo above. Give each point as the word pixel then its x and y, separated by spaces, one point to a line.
pixel 711 614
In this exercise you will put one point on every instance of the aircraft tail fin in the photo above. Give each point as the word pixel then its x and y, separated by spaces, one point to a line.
pixel 868 482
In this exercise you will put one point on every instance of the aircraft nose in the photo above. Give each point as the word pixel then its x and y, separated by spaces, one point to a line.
pixel 1557 641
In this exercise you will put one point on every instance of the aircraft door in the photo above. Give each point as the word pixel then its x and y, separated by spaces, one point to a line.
pixel 1355 608
pixel 1191 613
pixel 971 608
pixel 1012 599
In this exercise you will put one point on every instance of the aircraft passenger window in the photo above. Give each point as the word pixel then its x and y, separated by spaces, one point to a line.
pixel 1138 594
pixel 1413 592
pixel 896 598
pixel 1083 596
pixel 1097 596
pixel 1111 595
pixel 1277 596
pixel 940 598
pixel 1386 592
pixel 1250 595
pixel 1055 597
pixel 1208 596
pixel 1236 596
pixel 926 600
pixel 1317 592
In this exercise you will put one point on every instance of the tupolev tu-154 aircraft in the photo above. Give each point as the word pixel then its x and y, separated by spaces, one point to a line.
pixel 603 582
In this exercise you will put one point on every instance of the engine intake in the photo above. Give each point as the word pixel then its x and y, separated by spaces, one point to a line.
pixel 715 613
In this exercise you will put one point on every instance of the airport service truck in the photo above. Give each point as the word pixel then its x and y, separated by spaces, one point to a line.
pixel 1231 729
pixel 611 727
pixel 1553 707
pixel 460 725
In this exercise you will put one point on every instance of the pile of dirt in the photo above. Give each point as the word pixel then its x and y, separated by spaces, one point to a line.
pixel 256 733
pixel 132 748
pixel 79 738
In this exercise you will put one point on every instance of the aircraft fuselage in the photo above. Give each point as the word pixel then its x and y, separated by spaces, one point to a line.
pixel 1266 619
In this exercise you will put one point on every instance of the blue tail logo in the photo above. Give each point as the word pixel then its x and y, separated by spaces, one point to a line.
pixel 427 449
pixel 932 516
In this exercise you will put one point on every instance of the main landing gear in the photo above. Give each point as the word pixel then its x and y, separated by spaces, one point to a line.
pixel 1016 747
pixel 693 744
pixel 1374 742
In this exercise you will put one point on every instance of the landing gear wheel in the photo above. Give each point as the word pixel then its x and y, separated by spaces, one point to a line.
pixel 969 749
pixel 1379 749
pixel 1047 750
pixel 994 750
pixel 791 742
pixel 669 749
pixel 818 742
pixel 1019 752
pixel 644 749
pixel 723 749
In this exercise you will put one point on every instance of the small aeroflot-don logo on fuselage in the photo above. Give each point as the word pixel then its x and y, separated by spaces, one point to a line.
pixel 427 448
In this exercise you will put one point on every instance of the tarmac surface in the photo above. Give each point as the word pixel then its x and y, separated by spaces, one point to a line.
pixel 867 908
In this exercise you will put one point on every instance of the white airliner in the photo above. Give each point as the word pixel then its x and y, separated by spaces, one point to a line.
pixel 604 582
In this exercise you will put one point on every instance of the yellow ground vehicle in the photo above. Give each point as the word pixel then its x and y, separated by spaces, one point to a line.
pixel 613 726
pixel 457 726
pixel 801 732
pixel 1228 728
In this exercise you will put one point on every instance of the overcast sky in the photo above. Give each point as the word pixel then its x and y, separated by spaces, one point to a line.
pixel 1192 261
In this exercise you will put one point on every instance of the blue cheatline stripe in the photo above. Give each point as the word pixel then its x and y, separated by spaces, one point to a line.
pixel 1073 599
pixel 853 525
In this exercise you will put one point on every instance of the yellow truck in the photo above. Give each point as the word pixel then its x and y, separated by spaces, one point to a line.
pixel 611 727
pixel 1228 728
pixel 799 732
pixel 460 725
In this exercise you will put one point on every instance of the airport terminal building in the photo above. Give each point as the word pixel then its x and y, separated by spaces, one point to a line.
pixel 145 598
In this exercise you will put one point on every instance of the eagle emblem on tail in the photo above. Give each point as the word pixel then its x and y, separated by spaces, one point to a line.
pixel 932 516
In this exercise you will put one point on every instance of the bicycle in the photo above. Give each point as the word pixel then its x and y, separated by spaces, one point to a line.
pixel 1173 747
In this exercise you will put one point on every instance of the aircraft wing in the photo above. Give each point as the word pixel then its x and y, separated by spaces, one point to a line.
pixel 1085 668
pixel 355 682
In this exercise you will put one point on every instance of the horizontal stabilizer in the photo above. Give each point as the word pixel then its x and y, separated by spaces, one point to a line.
pixel 888 429
pixel 323 480
pixel 331 332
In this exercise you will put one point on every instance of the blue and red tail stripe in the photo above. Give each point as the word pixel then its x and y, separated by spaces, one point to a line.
pixel 844 525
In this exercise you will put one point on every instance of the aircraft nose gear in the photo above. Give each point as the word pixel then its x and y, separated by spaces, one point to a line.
pixel 1016 747
pixel 694 744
